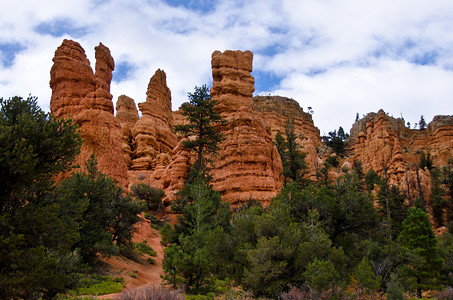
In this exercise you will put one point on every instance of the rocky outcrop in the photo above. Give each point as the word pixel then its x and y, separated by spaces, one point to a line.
pixel 277 110
pixel 144 149
pixel 153 139
pixel 379 141
pixel 85 96
pixel 127 115
pixel 248 165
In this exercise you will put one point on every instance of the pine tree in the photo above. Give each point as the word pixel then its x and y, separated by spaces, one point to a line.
pixel 422 123
pixel 418 238
pixel 293 160
pixel 438 203
pixel 36 236
pixel 202 120
pixel 336 140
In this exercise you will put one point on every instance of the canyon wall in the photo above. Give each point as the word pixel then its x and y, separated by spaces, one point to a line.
pixel 142 147
pixel 381 142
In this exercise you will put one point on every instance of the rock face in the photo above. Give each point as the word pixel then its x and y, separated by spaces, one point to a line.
pixel 277 110
pixel 127 115
pixel 379 141
pixel 135 149
pixel 85 97
pixel 248 165
pixel 153 139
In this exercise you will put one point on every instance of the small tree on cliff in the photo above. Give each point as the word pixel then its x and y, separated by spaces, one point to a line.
pixel 202 119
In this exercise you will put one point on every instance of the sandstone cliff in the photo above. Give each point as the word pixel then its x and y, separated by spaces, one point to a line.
pixel 127 115
pixel 135 149
pixel 85 96
pixel 248 165
pixel 379 141
pixel 277 110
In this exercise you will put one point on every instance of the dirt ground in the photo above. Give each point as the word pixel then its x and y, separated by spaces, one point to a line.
pixel 138 273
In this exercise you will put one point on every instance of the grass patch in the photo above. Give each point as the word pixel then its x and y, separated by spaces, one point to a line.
pixel 151 260
pixel 133 274
pixel 99 285
pixel 144 248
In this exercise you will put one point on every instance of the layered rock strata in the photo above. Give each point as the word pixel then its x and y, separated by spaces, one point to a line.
pixel 248 165
pixel 278 110
pixel 127 115
pixel 153 139
pixel 85 96
pixel 381 142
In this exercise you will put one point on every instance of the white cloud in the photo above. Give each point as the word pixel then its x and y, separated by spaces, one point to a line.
pixel 364 53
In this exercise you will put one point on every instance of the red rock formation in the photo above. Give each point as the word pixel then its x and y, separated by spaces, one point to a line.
pixel 378 140
pixel 277 110
pixel 84 96
pixel 248 165
pixel 152 134
pixel 127 115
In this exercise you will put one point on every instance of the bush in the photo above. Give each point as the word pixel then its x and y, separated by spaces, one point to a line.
pixel 151 260
pixel 151 292
pixel 99 285
pixel 447 293
pixel 152 196
pixel 144 248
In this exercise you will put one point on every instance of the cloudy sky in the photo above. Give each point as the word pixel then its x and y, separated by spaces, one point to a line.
pixel 340 57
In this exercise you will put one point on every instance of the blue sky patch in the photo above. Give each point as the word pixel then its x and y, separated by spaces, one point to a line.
pixel 265 81
pixel 203 6
pixel 60 27
pixel 123 71
pixel 426 58
pixel 8 52
pixel 271 50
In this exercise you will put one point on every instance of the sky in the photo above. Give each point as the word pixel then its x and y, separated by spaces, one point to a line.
pixel 339 57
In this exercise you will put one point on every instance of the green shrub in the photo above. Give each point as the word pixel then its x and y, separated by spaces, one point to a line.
pixel 151 260
pixel 144 248
pixel 99 285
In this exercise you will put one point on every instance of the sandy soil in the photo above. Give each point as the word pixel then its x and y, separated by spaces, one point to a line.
pixel 138 273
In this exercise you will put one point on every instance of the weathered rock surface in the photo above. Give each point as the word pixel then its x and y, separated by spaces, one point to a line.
pixel 85 97
pixel 248 165
pixel 153 139
pixel 135 149
pixel 379 141
pixel 127 115
pixel 277 110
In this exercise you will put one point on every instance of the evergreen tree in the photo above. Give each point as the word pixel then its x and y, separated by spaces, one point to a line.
pixel 36 236
pixel 418 238
pixel 422 123
pixel 151 195
pixel 202 120
pixel 293 160
pixel 187 261
pixel 397 209
pixel 425 161
pixel 35 147
pixel 107 215
pixel 371 178
pixel 368 282
pixel 336 141
pixel 438 203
